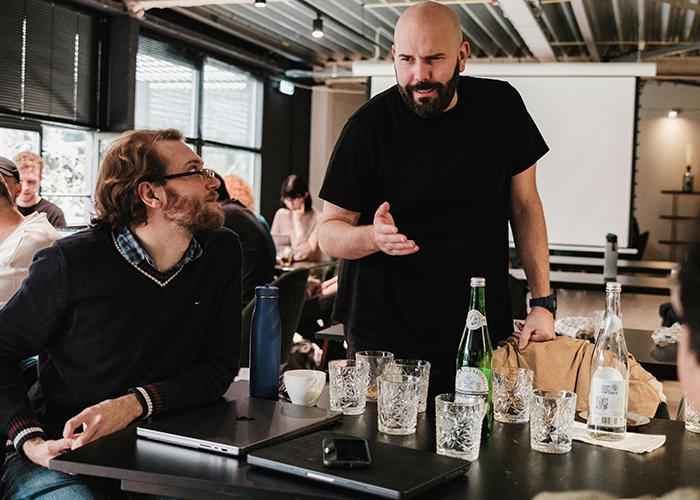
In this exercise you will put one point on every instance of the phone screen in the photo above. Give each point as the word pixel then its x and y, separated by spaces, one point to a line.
pixel 345 452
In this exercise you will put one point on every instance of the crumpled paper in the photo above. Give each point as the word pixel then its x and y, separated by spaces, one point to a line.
pixel 667 335
pixel 576 327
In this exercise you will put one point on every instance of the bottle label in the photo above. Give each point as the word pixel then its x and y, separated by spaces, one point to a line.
pixel 471 381
pixel 607 401
pixel 475 320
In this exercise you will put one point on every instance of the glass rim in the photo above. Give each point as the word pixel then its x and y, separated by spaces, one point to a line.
pixel 412 362
pixel 513 369
pixel 448 399
pixel 348 362
pixel 375 354
pixel 563 393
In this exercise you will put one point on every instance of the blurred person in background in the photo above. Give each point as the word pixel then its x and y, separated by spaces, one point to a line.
pixel 258 258
pixel 30 166
pixel 20 239
pixel 239 189
pixel 298 219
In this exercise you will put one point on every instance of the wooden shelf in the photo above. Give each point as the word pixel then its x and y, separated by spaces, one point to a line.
pixel 669 242
pixel 679 217
pixel 665 191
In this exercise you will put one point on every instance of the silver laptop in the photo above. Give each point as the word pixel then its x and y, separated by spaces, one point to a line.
pixel 281 239
pixel 238 427
pixel 396 472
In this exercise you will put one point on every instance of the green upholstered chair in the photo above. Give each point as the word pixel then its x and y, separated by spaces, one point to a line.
pixel 292 286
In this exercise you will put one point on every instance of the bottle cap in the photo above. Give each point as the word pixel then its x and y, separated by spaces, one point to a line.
pixel 267 291
pixel 611 237
pixel 478 282
pixel 613 286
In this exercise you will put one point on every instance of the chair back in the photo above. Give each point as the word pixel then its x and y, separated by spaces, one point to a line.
pixel 292 293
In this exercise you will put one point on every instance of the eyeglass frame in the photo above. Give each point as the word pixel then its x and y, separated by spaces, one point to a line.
pixel 206 174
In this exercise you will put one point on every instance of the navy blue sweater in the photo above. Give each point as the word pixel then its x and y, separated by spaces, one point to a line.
pixel 101 327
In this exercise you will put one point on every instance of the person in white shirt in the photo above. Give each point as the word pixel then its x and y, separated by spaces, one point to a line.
pixel 20 239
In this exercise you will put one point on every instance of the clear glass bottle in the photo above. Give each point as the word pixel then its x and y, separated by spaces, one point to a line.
pixel 475 354
pixel 609 388
pixel 688 180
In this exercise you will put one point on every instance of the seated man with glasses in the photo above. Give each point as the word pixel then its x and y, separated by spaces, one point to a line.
pixel 138 315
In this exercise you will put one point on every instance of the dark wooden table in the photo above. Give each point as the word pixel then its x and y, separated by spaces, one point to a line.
pixel 506 469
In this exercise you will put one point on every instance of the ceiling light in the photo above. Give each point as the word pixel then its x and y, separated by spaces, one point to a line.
pixel 318 28
pixel 673 114
pixel 286 87
pixel 261 3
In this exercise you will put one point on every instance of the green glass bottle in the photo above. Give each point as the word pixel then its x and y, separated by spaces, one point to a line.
pixel 475 354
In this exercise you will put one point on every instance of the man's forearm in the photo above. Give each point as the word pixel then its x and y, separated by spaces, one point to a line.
pixel 530 233
pixel 343 240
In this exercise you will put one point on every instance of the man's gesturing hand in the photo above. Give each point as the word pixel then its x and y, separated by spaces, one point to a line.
pixel 387 235
pixel 104 418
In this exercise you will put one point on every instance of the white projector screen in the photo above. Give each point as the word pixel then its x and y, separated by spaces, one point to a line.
pixel 585 181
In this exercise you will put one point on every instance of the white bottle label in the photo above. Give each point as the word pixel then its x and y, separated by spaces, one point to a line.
pixel 608 399
pixel 471 381
pixel 475 320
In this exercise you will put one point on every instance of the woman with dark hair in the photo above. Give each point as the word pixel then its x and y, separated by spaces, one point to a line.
pixel 298 219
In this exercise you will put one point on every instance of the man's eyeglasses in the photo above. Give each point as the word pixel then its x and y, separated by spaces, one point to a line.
pixel 205 173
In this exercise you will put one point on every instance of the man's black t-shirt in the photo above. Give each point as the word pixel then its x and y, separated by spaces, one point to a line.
pixel 448 184
pixel 53 213
pixel 258 260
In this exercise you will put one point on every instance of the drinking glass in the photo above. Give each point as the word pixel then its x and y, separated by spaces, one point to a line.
pixel 397 404
pixel 418 368
pixel 285 255
pixel 348 385
pixel 458 426
pixel 690 415
pixel 511 394
pixel 379 362
pixel 552 420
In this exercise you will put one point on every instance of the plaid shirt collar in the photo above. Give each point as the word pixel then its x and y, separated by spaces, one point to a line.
pixel 135 254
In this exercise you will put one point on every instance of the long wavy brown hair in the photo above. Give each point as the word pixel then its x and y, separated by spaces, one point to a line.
pixel 131 160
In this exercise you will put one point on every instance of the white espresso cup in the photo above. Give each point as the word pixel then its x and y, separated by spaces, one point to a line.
pixel 304 386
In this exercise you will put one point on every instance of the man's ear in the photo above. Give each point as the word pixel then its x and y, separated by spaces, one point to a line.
pixel 18 190
pixel 150 195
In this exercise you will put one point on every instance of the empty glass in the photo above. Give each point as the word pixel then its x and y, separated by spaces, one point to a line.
pixel 397 404
pixel 552 420
pixel 348 385
pixel 511 394
pixel 418 368
pixel 378 361
pixel 690 415
pixel 458 426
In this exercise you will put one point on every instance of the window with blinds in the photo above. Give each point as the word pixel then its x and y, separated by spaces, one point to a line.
pixel 49 61
pixel 166 88
pixel 230 103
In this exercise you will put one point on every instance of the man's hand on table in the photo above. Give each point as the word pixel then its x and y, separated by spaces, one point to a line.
pixel 41 451
pixel 104 418
pixel 538 327
pixel 387 235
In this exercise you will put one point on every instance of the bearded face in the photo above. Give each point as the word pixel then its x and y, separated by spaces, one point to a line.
pixel 193 213
pixel 430 107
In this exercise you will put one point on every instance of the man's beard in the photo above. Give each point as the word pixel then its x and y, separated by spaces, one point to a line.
pixel 427 107
pixel 191 213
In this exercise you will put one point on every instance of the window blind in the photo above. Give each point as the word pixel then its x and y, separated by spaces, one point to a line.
pixel 166 87
pixel 49 61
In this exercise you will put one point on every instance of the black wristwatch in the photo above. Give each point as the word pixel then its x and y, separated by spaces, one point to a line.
pixel 549 303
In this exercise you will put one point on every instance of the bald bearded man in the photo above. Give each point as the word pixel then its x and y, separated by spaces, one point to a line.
pixel 418 195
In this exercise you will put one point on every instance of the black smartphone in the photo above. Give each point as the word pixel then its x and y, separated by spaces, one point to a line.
pixel 344 452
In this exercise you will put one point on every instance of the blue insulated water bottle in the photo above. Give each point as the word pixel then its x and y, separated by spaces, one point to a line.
pixel 265 340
